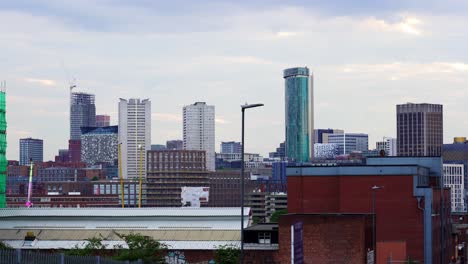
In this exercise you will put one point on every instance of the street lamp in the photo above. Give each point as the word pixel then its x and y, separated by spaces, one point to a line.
pixel 140 147
pixel 373 189
pixel 243 107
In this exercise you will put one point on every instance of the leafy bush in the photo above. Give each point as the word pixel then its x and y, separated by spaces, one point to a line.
pixel 227 254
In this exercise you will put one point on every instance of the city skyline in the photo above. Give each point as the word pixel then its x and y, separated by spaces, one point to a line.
pixel 231 62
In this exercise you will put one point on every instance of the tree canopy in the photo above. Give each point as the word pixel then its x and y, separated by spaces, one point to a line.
pixel 227 254
pixel 276 215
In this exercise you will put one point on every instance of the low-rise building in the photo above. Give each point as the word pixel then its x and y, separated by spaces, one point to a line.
pixel 194 232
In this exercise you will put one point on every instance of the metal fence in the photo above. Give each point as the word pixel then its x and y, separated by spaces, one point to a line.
pixel 18 256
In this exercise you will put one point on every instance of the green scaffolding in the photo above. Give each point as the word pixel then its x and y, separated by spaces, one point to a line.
pixel 3 146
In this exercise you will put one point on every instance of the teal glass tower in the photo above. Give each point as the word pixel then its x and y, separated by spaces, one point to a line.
pixel 299 114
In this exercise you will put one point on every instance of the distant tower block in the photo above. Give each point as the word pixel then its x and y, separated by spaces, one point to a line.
pixel 3 144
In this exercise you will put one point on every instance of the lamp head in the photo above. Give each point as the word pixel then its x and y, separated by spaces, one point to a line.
pixel 250 105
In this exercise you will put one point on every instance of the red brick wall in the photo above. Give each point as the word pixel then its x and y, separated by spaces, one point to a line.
pixel 250 257
pixel 397 215
pixel 327 238
pixel 194 256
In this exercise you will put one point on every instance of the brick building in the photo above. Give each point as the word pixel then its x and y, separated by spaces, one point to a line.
pixel 328 238
pixel 170 170
pixel 225 188
pixel 57 194
pixel 74 150
pixel 410 207
pixel 59 174
pixel 105 193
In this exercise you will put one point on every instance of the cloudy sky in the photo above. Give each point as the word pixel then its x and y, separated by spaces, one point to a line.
pixel 365 57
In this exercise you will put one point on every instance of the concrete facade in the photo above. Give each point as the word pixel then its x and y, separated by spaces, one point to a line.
pixel 419 129
pixel 134 132
pixel 199 130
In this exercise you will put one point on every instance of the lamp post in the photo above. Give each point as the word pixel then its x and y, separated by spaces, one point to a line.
pixel 140 147
pixel 243 107
pixel 373 189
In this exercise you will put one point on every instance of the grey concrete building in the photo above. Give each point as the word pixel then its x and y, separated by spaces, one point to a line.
pixel 82 113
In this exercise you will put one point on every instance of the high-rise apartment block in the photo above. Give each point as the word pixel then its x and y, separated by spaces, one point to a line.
pixel 231 147
pixel 199 130
pixel 419 129
pixel 299 114
pixel 389 145
pixel 99 144
pixel 82 113
pixel 321 135
pixel 349 142
pixel 31 149
pixel 134 135
pixel 102 120
pixel 176 144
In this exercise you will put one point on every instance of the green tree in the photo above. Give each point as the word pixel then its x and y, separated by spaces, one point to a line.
pixel 411 261
pixel 276 215
pixel 227 254
pixel 93 247
pixel 3 245
pixel 95 178
pixel 256 220
pixel 141 247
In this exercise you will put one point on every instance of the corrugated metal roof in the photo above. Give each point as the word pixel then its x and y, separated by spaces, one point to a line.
pixel 120 212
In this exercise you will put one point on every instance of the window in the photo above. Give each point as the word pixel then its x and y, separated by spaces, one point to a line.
pixel 264 238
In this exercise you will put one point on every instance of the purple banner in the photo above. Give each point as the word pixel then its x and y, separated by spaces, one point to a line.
pixel 298 245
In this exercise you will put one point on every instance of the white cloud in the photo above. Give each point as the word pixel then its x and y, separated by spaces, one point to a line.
pixel 221 121
pixel 42 82
pixel 286 34
pixel 166 117
pixel 247 60
pixel 20 133
pixel 406 25
pixel 400 70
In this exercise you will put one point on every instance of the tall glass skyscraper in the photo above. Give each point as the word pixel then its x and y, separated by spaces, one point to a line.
pixel 299 114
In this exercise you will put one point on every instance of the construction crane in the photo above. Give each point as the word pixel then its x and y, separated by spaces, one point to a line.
pixel 71 80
